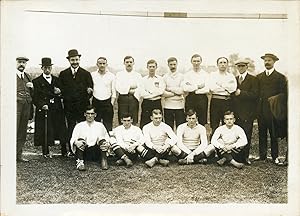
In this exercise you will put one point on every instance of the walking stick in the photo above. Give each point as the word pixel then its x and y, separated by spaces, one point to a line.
pixel 46 130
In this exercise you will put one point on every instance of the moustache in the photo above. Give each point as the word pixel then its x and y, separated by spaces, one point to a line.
pixel 267 64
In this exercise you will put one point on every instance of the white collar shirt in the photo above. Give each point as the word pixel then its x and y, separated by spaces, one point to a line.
pixel 104 85
pixel 126 80
pixel 192 79
pixel 126 137
pixel 269 72
pixel 222 83
pixel 49 80
pixel 20 74
pixel 243 75
pixel 91 133
pixel 152 87
pixel 74 70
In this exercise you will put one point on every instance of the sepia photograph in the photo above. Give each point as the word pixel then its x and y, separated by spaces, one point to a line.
pixel 149 107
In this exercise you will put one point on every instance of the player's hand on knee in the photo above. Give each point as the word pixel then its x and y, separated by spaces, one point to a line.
pixel 104 146
pixel 131 149
pixel 80 144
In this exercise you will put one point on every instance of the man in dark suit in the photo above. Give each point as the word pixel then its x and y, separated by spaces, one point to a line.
pixel 271 83
pixel 77 87
pixel 47 99
pixel 244 101
pixel 24 91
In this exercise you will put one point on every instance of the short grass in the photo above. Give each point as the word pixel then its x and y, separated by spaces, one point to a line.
pixel 57 181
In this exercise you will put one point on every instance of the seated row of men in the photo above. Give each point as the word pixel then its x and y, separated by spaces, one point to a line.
pixel 157 141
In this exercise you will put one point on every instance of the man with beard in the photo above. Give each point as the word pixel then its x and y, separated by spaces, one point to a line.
pixel 127 83
pixel 47 99
pixel 271 83
pixel 76 87
pixel 24 99
pixel 244 101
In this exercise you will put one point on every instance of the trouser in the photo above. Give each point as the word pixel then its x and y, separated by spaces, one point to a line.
pixel 217 109
pixel 120 152
pixel 23 112
pixel 147 107
pixel 247 126
pixel 104 111
pixel 128 104
pixel 172 115
pixel 199 103
pixel 72 119
pixel 148 154
pixel 92 153
pixel 236 154
pixel 264 125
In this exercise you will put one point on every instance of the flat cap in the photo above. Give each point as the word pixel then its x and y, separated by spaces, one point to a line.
pixel 242 61
pixel 22 58
pixel 270 55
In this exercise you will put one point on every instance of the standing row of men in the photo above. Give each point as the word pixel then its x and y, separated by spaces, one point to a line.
pixel 76 86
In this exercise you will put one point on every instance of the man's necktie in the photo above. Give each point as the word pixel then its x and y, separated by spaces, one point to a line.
pixel 22 77
pixel 268 73
pixel 240 80
pixel 74 74
pixel 48 77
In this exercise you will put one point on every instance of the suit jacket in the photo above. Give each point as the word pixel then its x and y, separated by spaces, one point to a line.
pixel 244 105
pixel 74 89
pixel 269 86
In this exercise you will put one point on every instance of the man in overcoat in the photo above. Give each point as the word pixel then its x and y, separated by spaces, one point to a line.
pixel 49 110
pixel 77 88
pixel 271 83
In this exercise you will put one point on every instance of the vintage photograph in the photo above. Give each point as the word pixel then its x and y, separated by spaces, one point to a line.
pixel 156 107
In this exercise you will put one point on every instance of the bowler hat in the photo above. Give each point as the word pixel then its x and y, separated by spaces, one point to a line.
pixel 72 53
pixel 46 61
pixel 22 58
pixel 242 62
pixel 270 55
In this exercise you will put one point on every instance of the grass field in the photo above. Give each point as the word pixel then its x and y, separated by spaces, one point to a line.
pixel 57 181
